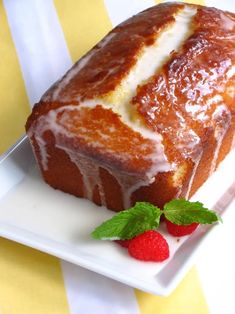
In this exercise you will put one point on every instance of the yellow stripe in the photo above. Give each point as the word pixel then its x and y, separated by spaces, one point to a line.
pixel 14 105
pixel 30 281
pixel 84 24
pixel 187 298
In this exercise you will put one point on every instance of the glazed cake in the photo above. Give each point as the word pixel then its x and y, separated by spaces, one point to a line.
pixel 147 114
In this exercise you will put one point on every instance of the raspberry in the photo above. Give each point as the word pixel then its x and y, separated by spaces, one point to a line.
pixel 149 246
pixel 180 230
pixel 123 243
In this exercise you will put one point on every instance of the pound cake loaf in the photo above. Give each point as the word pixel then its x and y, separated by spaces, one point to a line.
pixel 147 114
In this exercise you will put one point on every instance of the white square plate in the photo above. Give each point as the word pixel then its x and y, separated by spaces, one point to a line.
pixel 34 214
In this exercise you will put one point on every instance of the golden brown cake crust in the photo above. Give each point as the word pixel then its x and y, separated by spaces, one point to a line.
pixel 111 59
pixel 189 102
pixel 183 91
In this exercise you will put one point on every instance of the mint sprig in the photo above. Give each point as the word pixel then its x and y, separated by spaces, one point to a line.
pixel 182 212
pixel 145 216
pixel 129 223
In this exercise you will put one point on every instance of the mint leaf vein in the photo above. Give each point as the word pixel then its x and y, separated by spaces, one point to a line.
pixel 129 223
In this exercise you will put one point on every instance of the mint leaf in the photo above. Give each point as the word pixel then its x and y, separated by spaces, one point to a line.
pixel 129 223
pixel 145 216
pixel 183 212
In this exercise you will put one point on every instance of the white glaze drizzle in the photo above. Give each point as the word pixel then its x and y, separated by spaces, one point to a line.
pixel 43 151
pixel 187 138
pixel 91 177
pixel 76 68
pixel 231 72
pixel 37 130
pixel 90 174
pixel 219 133
pixel 196 164
pixel 128 187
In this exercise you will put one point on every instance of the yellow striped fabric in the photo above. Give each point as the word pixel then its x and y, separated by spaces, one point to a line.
pixel 30 281
pixel 84 24
pixel 14 105
pixel 187 298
